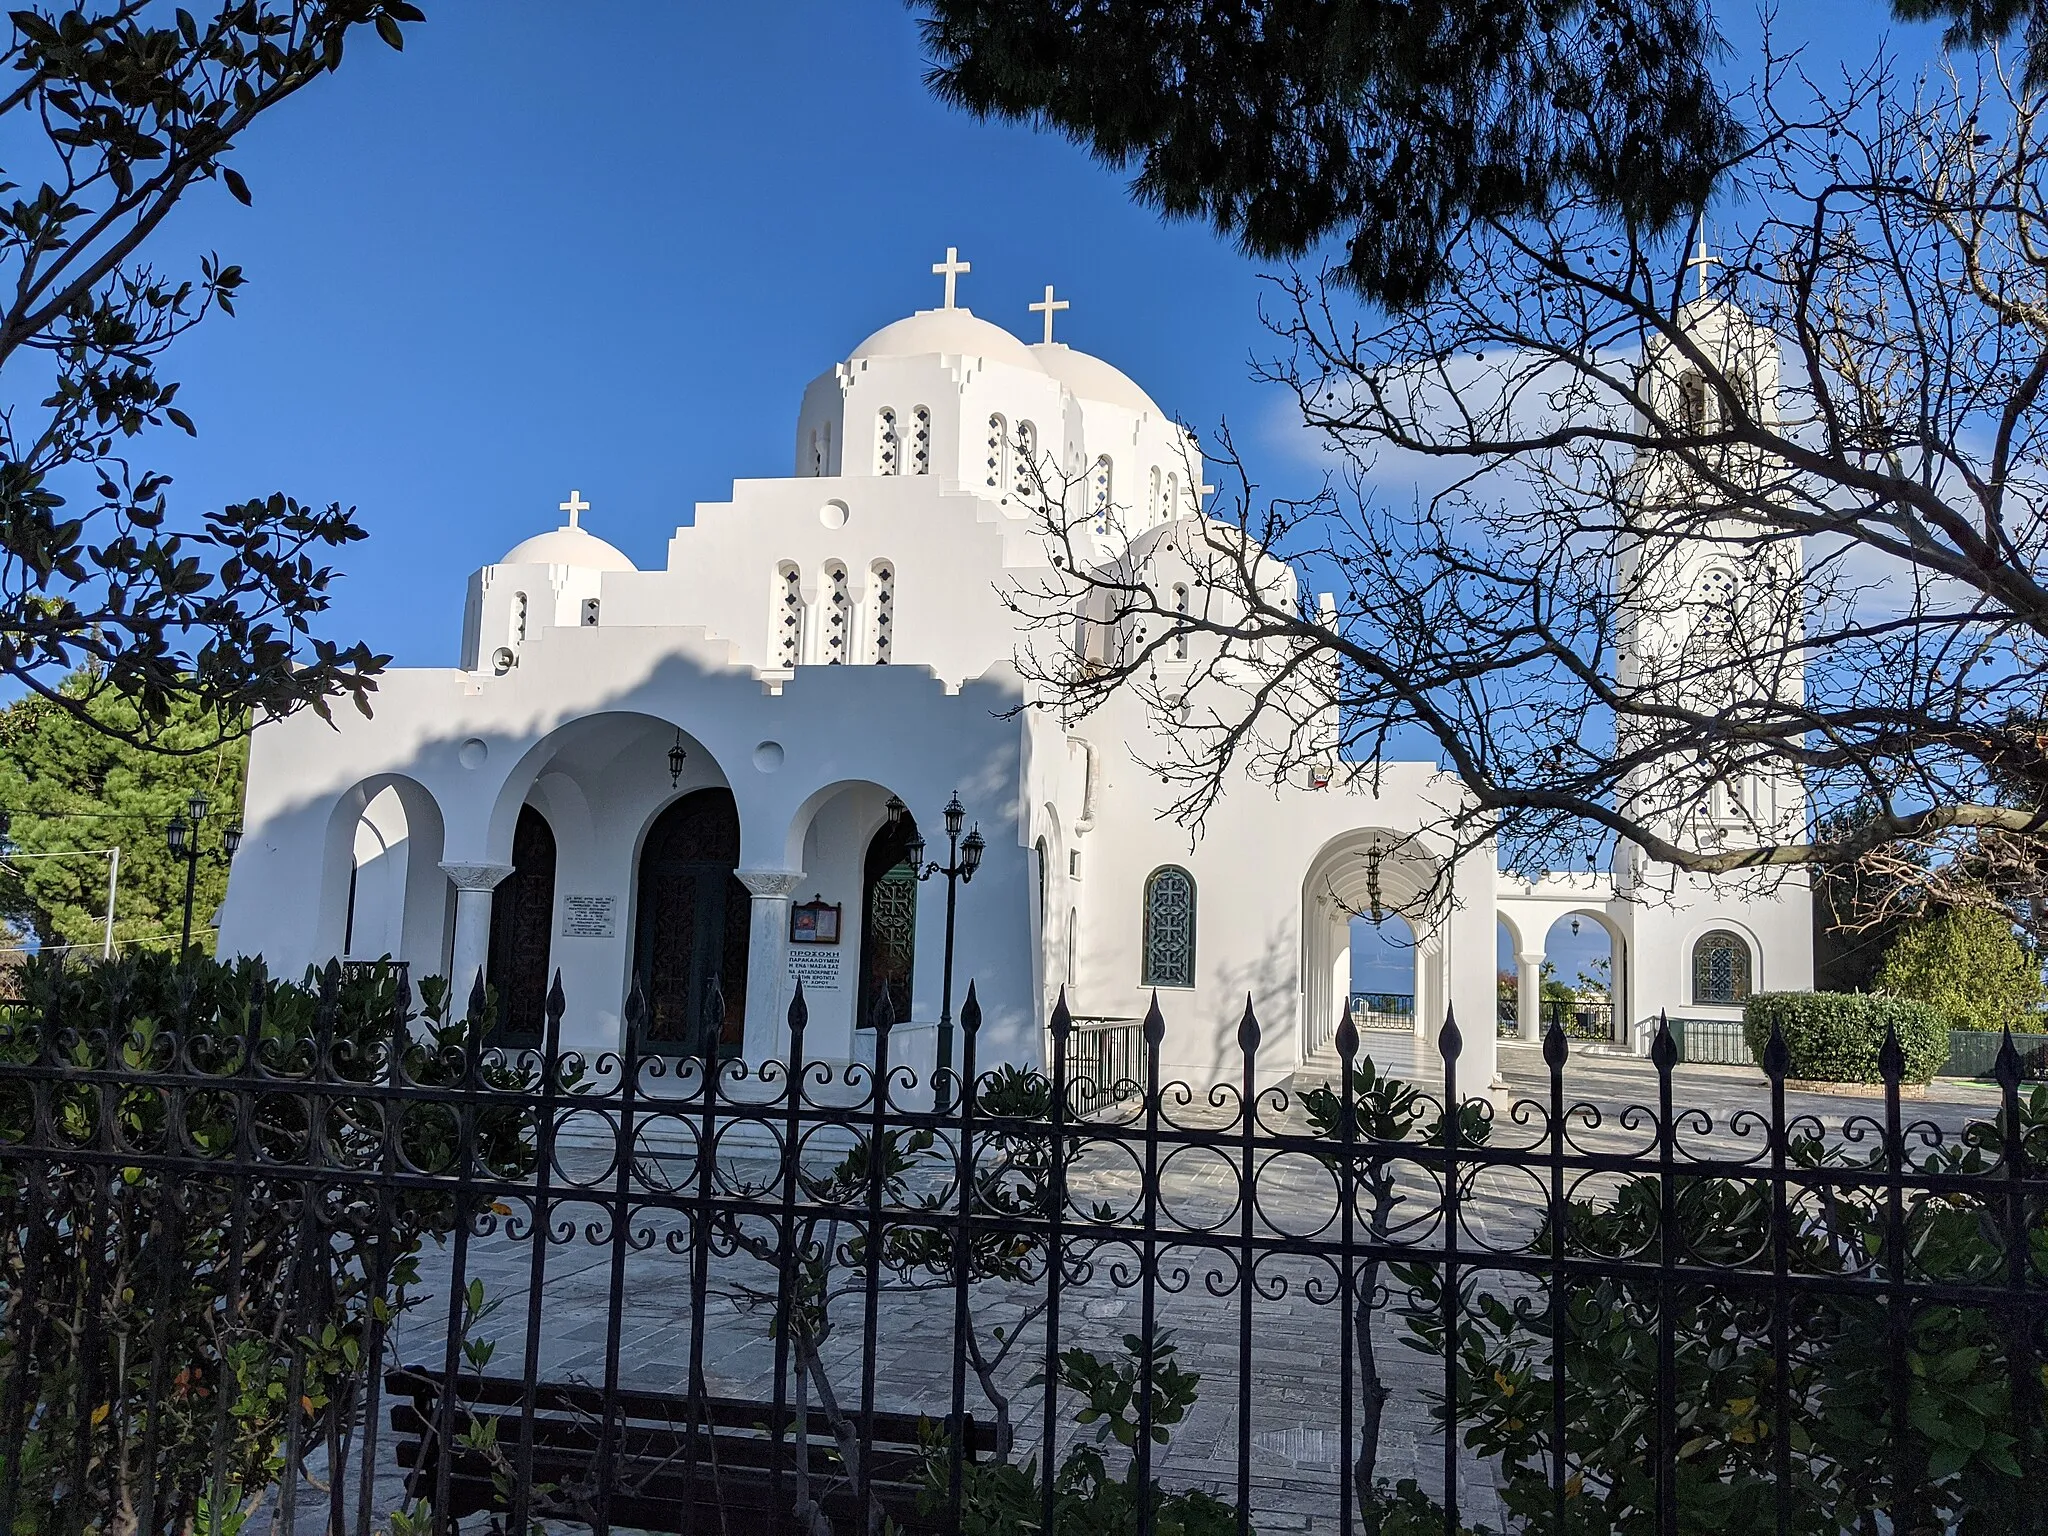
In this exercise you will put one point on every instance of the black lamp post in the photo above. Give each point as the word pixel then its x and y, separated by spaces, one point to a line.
pixel 182 836
pixel 963 858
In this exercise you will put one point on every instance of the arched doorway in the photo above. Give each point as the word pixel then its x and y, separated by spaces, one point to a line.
pixel 888 930
pixel 690 939
pixel 522 927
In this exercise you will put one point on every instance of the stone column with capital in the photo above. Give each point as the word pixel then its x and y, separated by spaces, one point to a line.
pixel 767 1030
pixel 1529 996
pixel 472 951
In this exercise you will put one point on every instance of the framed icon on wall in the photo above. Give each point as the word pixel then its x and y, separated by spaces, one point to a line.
pixel 814 922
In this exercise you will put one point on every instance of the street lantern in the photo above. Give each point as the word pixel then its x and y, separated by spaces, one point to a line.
pixel 181 836
pixel 896 809
pixel 962 860
pixel 676 758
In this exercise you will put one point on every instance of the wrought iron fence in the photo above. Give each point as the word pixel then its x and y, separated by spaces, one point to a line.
pixel 1105 1062
pixel 350 1269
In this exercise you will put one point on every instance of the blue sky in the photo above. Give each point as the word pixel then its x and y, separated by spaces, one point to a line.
pixel 605 246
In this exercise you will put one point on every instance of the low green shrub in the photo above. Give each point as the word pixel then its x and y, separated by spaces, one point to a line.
pixel 1834 1037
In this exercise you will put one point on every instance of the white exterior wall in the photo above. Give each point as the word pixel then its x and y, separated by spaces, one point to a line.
pixel 577 719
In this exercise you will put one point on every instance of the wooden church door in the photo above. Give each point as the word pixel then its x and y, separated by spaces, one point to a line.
pixel 690 939
pixel 888 930
pixel 522 926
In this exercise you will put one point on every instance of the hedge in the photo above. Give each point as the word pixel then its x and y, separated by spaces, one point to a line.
pixel 1835 1036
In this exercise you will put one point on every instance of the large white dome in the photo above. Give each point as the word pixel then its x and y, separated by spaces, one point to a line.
pixel 568 546
pixel 948 332
pixel 1090 378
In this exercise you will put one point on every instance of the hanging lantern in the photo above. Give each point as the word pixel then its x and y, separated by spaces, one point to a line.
pixel 1373 855
pixel 676 758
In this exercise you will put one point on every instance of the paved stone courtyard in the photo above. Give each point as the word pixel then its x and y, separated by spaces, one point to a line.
pixel 1297 1446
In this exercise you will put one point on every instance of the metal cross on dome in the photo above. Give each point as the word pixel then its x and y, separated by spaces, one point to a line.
pixel 950 269
pixel 575 506
pixel 1048 308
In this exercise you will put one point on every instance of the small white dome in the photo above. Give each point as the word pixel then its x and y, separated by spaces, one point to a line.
pixel 951 332
pixel 1090 378
pixel 568 546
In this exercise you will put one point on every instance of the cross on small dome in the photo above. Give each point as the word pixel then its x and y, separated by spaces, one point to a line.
pixel 950 269
pixel 575 506
pixel 1048 307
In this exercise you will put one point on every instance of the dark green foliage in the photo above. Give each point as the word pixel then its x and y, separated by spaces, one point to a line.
pixel 1961 1471
pixel 1288 122
pixel 1835 1037
pixel 1004 1499
pixel 113 113
pixel 77 784
pixel 181 1338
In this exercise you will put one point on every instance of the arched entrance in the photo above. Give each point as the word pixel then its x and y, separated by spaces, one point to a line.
pixel 888 932
pixel 690 939
pixel 522 928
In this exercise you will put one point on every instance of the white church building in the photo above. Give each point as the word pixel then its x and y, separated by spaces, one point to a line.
pixel 706 778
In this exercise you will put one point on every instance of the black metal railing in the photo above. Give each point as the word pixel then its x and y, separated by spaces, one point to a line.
pixel 347 1269
pixel 1105 1062
pixel 1580 1018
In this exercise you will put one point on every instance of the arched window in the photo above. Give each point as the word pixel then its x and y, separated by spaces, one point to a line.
pixel 921 441
pixel 789 617
pixel 817 453
pixel 881 612
pixel 1172 504
pixel 838 615
pixel 1041 889
pixel 518 618
pixel 1169 928
pixel 1720 968
pixel 888 449
pixel 1152 512
pixel 1073 942
pixel 1692 403
pixel 1099 492
pixel 998 451
pixel 1024 471
pixel 1180 607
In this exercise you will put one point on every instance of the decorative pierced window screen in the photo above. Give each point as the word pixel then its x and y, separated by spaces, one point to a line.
pixel 838 616
pixel 817 453
pixel 789 618
pixel 1171 506
pixel 1152 510
pixel 881 611
pixel 1023 476
pixel 590 610
pixel 1720 968
pixel 518 617
pixel 1170 928
pixel 1099 493
pixel 888 449
pixel 920 441
pixel 998 450
pixel 1180 607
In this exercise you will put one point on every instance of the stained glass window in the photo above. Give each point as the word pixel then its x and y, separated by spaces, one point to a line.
pixel 1170 928
pixel 1720 968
